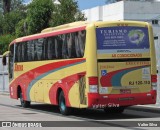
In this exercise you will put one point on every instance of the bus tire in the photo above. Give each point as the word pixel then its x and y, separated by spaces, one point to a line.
pixel 64 110
pixel 24 103
pixel 116 110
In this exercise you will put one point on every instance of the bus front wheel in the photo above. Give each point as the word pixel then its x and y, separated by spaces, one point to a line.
pixel 64 110
pixel 24 103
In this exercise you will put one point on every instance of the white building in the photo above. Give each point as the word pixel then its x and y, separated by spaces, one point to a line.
pixel 127 10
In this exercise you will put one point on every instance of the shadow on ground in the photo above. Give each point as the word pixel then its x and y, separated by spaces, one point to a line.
pixel 89 114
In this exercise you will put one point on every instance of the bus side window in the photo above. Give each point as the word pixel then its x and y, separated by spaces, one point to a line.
pixel 58 47
pixel 50 48
pixel 38 49
pixel 44 53
pixel 73 46
pixel 19 52
pixel 80 38
pixel 24 52
pixel 30 51
pixel 64 47
pixel 77 48
pixel 69 44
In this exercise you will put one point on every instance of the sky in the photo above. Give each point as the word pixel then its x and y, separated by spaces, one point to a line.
pixel 85 4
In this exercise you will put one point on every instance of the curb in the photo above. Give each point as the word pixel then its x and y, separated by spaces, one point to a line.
pixel 4 93
pixel 153 109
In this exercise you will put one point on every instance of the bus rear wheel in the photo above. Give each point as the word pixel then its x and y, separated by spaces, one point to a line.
pixel 64 110
pixel 115 110
pixel 24 103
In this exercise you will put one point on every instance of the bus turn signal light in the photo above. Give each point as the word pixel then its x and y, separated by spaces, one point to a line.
pixel 154 82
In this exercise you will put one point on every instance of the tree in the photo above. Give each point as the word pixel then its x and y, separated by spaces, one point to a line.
pixel 21 28
pixel 6 6
pixel 16 4
pixel 5 40
pixel 9 5
pixel 39 15
pixel 11 20
pixel 1 23
pixel 1 6
pixel 66 12
pixel 43 13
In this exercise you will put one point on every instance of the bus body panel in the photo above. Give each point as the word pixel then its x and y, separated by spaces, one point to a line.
pixel 124 77
pixel 41 81
pixel 116 100
pixel 125 65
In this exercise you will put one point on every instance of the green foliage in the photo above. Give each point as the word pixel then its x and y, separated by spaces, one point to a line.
pixel 1 7
pixel 39 15
pixel 66 12
pixel 7 6
pixel 21 20
pixel 1 24
pixel 4 42
pixel 11 20
pixel 17 5
pixel 21 28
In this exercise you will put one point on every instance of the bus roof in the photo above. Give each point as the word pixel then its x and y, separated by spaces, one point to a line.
pixel 72 27
pixel 66 28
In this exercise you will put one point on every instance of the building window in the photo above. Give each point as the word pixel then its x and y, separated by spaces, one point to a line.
pixel 155 21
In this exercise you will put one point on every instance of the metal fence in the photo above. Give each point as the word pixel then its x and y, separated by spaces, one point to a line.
pixel 157 47
pixel 4 81
pixel 158 88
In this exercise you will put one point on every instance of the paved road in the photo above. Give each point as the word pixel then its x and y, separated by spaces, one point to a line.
pixel 10 110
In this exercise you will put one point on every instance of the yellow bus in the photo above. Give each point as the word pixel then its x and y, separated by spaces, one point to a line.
pixel 101 65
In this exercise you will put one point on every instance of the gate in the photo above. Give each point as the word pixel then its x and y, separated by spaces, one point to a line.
pixel 4 81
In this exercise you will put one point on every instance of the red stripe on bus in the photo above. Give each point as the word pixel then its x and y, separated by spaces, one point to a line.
pixel 25 79
pixel 65 84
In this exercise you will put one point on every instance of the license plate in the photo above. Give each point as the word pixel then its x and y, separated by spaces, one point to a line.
pixel 125 91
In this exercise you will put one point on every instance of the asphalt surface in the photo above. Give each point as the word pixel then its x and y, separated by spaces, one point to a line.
pixel 132 118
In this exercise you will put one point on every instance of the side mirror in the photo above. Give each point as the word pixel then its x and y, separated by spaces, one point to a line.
pixel 4 60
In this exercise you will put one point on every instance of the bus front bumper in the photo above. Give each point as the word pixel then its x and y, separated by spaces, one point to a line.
pixel 100 101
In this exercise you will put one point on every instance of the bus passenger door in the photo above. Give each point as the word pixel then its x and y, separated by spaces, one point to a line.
pixel 39 95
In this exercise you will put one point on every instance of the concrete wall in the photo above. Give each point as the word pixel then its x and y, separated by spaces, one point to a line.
pixel 94 14
pixel 4 81
pixel 126 10
pixel 141 10
pixel 113 11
